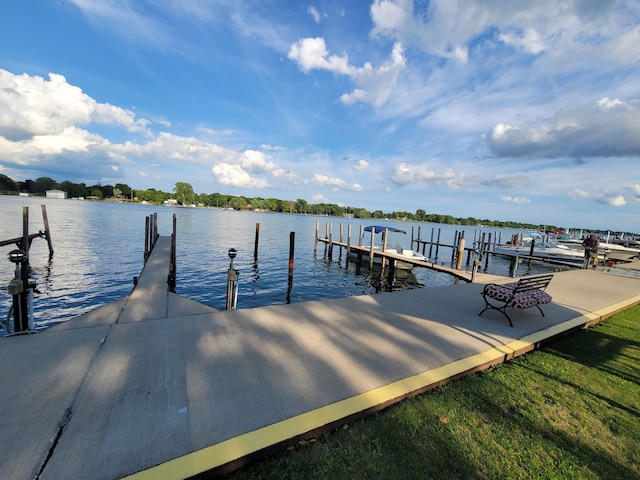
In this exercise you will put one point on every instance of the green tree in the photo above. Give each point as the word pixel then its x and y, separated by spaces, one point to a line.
pixel 184 193
pixel 301 205
pixel 7 185
pixel 42 184
pixel 124 190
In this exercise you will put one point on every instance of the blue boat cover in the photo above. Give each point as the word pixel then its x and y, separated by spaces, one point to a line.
pixel 382 229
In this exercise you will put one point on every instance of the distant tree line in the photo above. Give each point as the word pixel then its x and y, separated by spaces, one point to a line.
pixel 184 194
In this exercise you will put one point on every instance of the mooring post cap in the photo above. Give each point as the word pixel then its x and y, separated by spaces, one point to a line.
pixel 16 256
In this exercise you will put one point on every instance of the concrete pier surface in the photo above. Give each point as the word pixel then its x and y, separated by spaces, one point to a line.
pixel 157 386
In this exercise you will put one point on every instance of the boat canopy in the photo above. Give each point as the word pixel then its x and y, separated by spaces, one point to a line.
pixel 380 229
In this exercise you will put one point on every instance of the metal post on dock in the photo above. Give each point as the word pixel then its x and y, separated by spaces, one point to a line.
pixel 232 282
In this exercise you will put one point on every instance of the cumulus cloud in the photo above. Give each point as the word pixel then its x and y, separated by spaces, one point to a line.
pixel 236 176
pixel 404 174
pixel 242 170
pixel 361 165
pixel 607 128
pixel 373 84
pixel 446 28
pixel 335 182
pixel 319 198
pixel 31 105
pixel 615 201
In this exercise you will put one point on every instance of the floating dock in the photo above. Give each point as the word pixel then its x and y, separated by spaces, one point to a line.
pixel 157 386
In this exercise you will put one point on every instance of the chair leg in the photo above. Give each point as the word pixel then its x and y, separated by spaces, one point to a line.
pixel 489 306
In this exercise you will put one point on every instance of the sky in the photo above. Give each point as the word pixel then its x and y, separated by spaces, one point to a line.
pixel 499 110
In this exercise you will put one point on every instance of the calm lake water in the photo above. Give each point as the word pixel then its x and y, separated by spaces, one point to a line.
pixel 99 248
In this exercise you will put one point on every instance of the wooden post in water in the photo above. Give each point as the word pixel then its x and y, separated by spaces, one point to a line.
pixel 255 245
pixel 454 250
pixel 460 251
pixel 292 242
pixel 349 239
pixel 373 233
pixel 47 232
pixel 172 260
pixel 533 246
pixel 430 244
pixel 385 235
pixel 330 241
pixel 315 242
pixel 360 235
pixel 486 260
pixel 438 243
pixel 25 230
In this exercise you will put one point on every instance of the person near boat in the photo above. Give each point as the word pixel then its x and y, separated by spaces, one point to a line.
pixel 591 244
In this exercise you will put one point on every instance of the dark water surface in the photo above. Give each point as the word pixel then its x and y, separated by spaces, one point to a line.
pixel 99 248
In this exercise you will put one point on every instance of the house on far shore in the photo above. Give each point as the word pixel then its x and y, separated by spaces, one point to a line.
pixel 56 194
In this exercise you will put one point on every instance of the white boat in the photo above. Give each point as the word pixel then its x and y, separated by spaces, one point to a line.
pixel 545 251
pixel 608 250
pixel 398 251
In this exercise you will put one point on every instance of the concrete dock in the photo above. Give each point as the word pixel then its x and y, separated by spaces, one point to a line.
pixel 157 386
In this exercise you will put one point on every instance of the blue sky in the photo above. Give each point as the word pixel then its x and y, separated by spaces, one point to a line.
pixel 525 111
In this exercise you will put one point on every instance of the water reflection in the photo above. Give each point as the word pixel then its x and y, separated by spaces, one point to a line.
pixel 99 248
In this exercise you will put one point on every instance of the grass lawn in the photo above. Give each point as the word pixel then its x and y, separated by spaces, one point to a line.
pixel 570 410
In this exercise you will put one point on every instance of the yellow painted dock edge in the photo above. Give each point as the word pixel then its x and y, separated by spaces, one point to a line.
pixel 215 456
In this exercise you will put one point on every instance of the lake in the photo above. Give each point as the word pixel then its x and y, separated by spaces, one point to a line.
pixel 99 248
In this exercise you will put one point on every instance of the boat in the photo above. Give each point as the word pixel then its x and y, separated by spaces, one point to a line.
pixel 606 250
pixel 544 248
pixel 398 252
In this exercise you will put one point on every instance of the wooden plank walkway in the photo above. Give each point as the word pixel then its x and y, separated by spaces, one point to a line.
pixel 172 388
pixel 390 255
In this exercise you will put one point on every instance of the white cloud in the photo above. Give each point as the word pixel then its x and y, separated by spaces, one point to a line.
pixel 335 182
pixel 516 200
pixel 319 198
pixel 404 174
pixel 236 176
pixel 31 105
pixel 374 85
pixel 311 53
pixel 615 201
pixel 361 165
pixel 313 11
pixel 607 128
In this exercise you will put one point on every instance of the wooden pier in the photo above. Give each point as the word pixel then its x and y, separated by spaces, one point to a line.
pixel 390 258
pixel 155 385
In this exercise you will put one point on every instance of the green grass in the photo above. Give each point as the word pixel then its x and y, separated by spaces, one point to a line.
pixel 570 410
